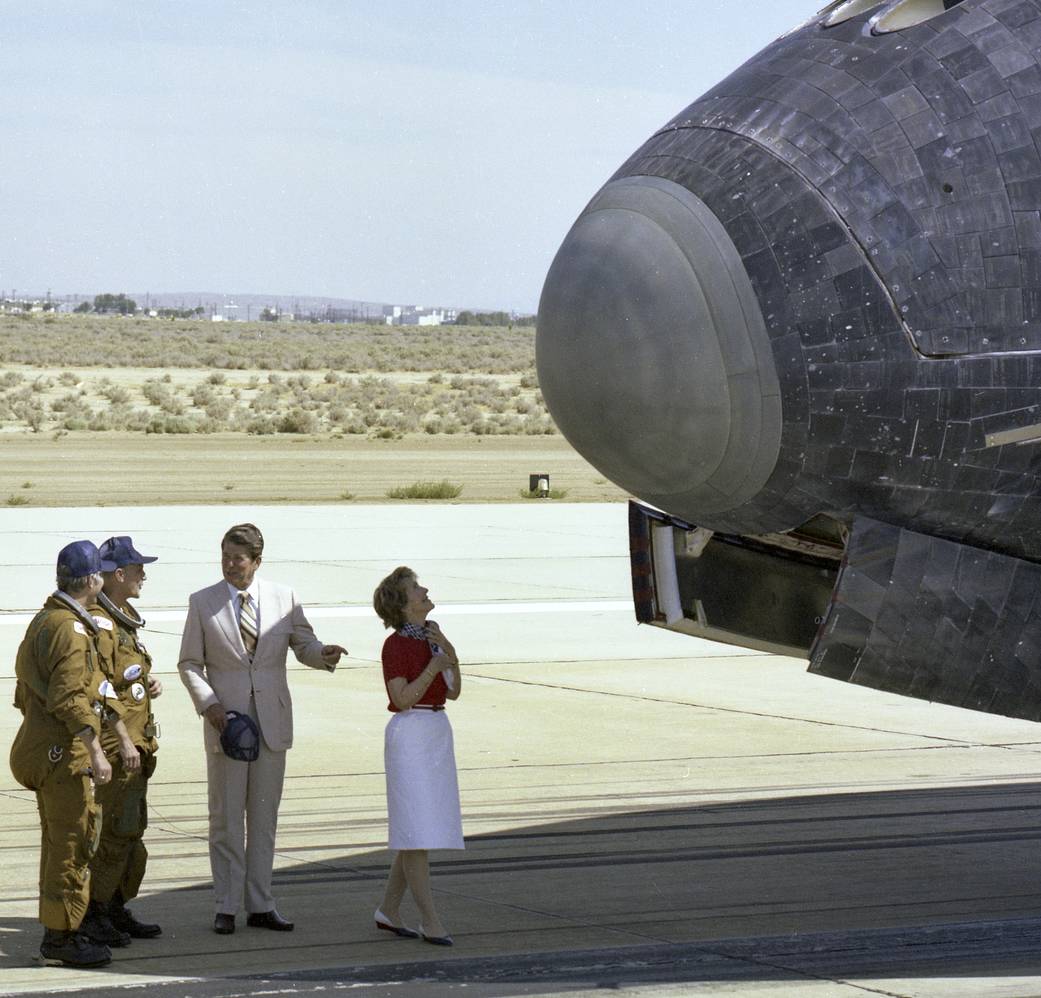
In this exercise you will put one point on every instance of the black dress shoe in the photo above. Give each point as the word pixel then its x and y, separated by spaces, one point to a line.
pixel 123 920
pixel 99 929
pixel 223 925
pixel 269 920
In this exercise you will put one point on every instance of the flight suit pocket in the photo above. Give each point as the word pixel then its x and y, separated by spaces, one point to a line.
pixel 92 838
pixel 33 764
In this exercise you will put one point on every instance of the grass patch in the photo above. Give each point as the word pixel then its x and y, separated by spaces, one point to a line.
pixel 426 490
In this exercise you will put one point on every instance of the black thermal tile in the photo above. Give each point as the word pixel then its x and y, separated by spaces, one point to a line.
pixel 1000 106
pixel 985 182
pixel 984 84
pixel 1030 105
pixel 1010 132
pixel 1020 163
pixel 1016 15
pixel 1002 271
pixel 1010 60
pixel 923 128
pixel 1026 82
pixel 964 60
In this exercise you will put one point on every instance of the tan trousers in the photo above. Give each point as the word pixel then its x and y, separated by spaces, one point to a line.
pixel 70 826
pixel 121 857
pixel 244 799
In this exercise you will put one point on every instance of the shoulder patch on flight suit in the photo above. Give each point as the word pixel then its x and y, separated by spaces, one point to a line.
pixel 79 628
pixel 103 622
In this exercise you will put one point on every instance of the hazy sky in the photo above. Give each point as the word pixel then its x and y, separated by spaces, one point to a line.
pixel 412 152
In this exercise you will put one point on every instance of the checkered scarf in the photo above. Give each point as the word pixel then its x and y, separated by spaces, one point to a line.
pixel 419 632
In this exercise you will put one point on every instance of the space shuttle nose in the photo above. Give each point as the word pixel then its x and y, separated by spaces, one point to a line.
pixel 652 352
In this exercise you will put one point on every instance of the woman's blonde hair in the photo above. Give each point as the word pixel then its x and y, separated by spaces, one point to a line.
pixel 389 599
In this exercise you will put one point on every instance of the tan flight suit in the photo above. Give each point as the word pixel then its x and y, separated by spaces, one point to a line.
pixel 57 691
pixel 121 857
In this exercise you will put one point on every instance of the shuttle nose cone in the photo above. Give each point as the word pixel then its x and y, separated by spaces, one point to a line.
pixel 652 352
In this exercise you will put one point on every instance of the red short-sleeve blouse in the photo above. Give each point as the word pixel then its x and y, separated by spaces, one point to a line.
pixel 408 657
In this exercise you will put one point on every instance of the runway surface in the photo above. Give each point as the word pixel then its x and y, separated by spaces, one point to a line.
pixel 644 812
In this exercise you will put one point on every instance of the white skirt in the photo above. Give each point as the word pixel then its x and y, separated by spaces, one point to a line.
pixel 422 787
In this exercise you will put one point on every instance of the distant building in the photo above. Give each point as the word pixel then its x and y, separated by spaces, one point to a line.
pixel 417 315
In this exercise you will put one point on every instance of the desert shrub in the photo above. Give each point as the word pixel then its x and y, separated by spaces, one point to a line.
pixel 216 378
pixel 156 391
pixel 170 423
pixel 264 401
pixel 11 379
pixel 219 409
pixel 261 425
pixel 203 394
pixel 426 490
pixel 298 420
pixel 172 406
pixel 32 414
pixel 116 394
pixel 68 379
pixel 529 381
pixel 539 426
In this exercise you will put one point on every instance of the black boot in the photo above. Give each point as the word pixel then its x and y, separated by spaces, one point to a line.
pixel 73 949
pixel 120 916
pixel 97 925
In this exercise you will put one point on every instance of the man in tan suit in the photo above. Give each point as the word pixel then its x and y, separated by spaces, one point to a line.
pixel 233 658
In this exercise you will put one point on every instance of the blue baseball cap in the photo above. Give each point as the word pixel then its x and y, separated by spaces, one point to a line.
pixel 82 558
pixel 240 738
pixel 121 551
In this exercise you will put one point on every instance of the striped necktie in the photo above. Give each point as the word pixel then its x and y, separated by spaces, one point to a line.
pixel 248 624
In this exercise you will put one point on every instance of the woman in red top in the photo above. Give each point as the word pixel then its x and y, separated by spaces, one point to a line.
pixel 421 672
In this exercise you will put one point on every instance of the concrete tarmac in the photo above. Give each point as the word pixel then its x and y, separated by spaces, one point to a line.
pixel 644 812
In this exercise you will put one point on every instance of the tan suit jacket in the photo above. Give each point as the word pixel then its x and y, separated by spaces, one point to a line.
pixel 215 668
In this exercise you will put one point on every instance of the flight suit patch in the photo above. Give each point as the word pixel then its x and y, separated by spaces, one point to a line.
pixel 137 691
pixel 132 672
pixel 55 753
pixel 78 627
pixel 104 623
